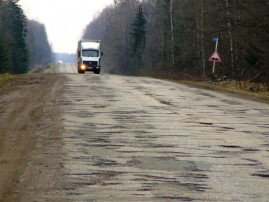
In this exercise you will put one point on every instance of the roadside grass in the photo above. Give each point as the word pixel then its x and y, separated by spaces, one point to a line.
pixel 5 78
pixel 43 68
pixel 248 90
pixel 51 69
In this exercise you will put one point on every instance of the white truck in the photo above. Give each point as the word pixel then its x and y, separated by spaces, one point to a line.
pixel 89 56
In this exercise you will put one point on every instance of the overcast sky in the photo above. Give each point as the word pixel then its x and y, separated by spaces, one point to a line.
pixel 65 20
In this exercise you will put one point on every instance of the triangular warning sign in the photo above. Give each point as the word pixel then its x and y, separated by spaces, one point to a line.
pixel 215 57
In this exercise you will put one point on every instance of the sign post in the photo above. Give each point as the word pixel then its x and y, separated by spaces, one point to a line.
pixel 215 56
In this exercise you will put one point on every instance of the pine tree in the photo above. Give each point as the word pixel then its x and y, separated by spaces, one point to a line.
pixel 138 35
pixel 20 53
pixel 13 38
pixel 4 60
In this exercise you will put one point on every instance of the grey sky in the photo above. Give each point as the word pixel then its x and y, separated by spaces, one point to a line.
pixel 65 20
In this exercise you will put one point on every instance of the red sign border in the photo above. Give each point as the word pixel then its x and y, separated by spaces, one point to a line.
pixel 210 59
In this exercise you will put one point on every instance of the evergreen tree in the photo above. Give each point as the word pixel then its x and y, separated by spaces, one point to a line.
pixel 38 44
pixel 13 33
pixel 4 60
pixel 20 53
pixel 138 36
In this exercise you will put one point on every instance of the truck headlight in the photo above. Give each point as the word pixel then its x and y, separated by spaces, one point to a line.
pixel 83 67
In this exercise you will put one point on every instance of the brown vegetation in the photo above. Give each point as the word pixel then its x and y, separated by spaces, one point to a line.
pixel 179 37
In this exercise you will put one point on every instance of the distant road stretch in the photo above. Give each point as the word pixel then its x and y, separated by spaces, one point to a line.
pixel 65 68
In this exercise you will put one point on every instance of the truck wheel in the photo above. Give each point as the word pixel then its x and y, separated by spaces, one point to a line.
pixel 97 71
pixel 81 72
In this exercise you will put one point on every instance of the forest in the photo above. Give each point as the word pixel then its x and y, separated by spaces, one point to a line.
pixel 23 42
pixel 173 38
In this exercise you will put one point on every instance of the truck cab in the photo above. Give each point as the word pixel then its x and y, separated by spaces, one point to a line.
pixel 89 56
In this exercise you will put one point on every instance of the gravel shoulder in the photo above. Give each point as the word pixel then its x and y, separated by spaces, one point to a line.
pixel 29 121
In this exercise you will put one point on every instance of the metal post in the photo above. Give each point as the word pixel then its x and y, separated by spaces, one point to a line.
pixel 214 63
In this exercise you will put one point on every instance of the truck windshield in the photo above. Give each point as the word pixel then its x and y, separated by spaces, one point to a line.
pixel 90 53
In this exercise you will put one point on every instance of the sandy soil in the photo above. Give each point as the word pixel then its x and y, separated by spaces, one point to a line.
pixel 29 121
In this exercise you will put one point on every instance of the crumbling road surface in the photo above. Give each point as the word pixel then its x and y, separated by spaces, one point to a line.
pixel 71 137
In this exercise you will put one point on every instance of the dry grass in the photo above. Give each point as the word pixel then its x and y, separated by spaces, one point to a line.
pixel 247 90
pixel 4 78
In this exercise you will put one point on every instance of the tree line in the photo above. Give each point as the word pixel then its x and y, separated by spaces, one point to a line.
pixel 39 48
pixel 172 37
pixel 23 42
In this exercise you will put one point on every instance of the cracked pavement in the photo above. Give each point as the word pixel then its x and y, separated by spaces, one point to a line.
pixel 142 139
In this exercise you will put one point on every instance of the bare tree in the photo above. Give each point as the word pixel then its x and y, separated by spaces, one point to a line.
pixel 172 35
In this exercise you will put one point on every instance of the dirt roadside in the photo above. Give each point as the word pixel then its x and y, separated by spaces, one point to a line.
pixel 238 93
pixel 30 136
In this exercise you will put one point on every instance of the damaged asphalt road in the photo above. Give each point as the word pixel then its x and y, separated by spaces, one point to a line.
pixel 123 138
